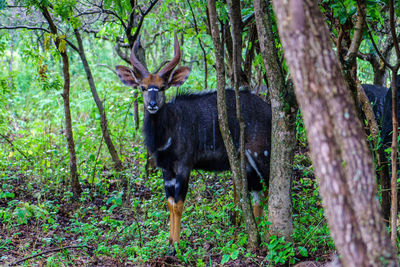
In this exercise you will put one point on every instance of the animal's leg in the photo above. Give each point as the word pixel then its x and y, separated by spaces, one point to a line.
pixel 176 190
pixel 171 218
pixel 169 186
pixel 257 206
pixel 176 209
pixel 257 170
pixel 181 188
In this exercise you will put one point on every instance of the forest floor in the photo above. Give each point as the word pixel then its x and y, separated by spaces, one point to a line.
pixel 120 221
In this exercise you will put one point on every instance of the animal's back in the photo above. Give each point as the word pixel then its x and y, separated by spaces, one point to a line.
pixel 204 138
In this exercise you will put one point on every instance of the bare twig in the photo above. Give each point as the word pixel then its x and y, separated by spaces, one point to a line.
pixel 201 45
pixel 107 67
pixel 154 38
pixel 161 65
pixel 121 54
pixel 33 28
pixel 50 251
pixel 95 161
pixel 23 27
pixel 139 26
pixel 16 148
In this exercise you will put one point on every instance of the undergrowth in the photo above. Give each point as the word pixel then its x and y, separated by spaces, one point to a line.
pixel 122 218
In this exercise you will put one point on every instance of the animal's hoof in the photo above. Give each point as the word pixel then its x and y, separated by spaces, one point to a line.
pixel 172 251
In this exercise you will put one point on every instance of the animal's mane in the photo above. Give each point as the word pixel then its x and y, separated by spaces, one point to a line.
pixel 196 95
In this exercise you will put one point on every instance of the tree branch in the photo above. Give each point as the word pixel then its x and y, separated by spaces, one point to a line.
pixel 16 148
pixel 23 27
pixel 358 33
pixel 121 54
pixel 393 30
pixel 201 45
pixel 33 28
pixel 144 14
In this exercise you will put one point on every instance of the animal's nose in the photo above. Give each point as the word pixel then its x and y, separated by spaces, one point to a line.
pixel 152 104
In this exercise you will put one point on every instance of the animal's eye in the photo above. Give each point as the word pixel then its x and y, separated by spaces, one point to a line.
pixel 143 88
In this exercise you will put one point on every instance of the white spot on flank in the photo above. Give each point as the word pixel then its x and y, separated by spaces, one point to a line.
pixel 255 154
pixel 167 145
pixel 266 153
pixel 170 183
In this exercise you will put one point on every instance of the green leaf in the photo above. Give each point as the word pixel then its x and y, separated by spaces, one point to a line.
pixel 303 252
pixel 62 45
pixel 225 258
pixel 235 254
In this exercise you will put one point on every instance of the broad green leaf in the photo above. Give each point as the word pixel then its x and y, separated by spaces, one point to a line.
pixel 235 254
pixel 225 258
pixel 303 251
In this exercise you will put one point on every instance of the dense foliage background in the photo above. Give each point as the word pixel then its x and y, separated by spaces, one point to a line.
pixel 121 217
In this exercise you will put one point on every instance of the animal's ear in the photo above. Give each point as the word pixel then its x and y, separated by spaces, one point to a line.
pixel 127 76
pixel 178 76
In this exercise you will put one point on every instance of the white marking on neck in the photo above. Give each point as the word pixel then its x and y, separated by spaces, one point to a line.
pixel 170 183
pixel 152 89
pixel 252 163
pixel 167 145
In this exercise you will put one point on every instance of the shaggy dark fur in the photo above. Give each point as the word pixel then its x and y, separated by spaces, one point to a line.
pixel 387 120
pixel 376 96
pixel 184 135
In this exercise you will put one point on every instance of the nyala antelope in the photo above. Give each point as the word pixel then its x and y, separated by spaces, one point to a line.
pixel 184 134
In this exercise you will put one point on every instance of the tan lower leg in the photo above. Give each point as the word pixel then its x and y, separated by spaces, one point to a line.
pixel 177 210
pixel 257 208
pixel 257 211
pixel 171 203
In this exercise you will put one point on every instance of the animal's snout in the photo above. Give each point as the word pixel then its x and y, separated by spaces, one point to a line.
pixel 152 104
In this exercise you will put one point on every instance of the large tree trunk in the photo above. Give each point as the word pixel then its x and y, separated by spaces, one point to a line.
pixel 76 188
pixel 380 72
pixel 234 161
pixel 340 155
pixel 283 134
pixel 99 104
pixel 395 124
pixel 236 31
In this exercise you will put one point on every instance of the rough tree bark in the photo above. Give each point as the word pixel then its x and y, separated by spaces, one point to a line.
pixel 346 176
pixel 76 187
pixel 283 136
pixel 99 104
pixel 235 18
pixel 254 239
pixel 349 67
pixel 394 68
pixel 394 207
pixel 395 124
